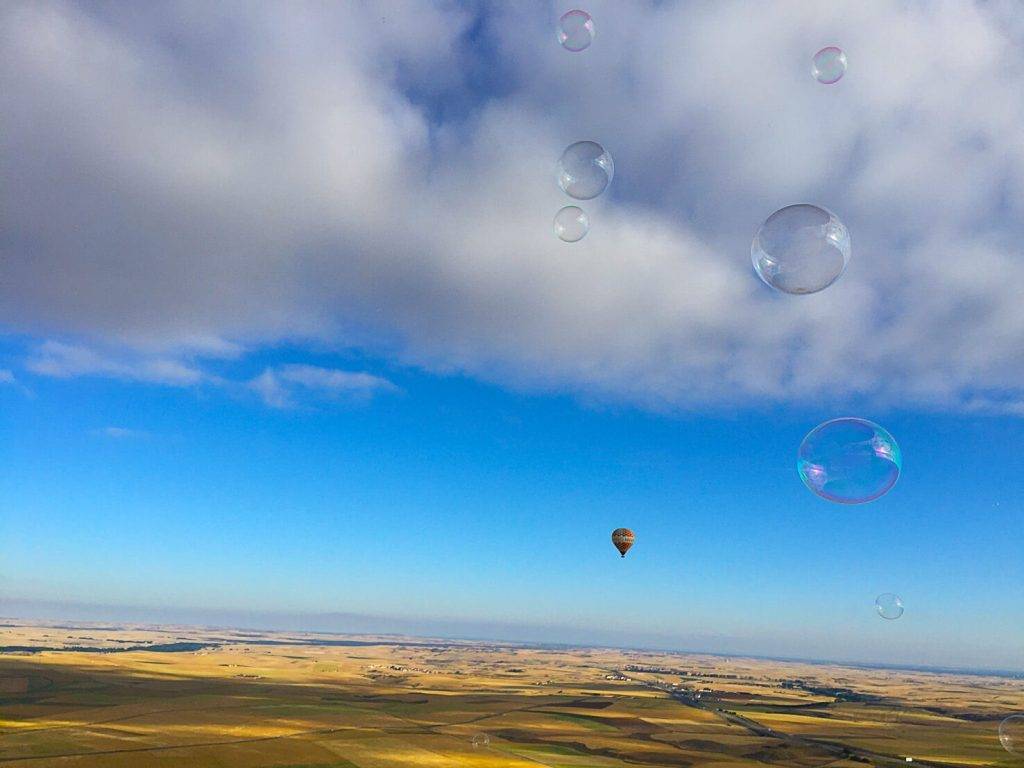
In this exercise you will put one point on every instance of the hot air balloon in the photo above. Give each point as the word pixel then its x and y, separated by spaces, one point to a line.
pixel 623 539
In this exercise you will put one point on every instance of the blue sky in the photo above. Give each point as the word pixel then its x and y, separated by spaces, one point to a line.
pixel 285 332
pixel 448 499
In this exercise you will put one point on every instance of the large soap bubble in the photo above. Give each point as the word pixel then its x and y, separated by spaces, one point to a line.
pixel 571 224
pixel 576 30
pixel 889 606
pixel 849 461
pixel 801 249
pixel 829 65
pixel 1011 734
pixel 585 169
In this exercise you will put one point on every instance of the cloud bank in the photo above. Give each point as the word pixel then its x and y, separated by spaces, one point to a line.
pixel 186 180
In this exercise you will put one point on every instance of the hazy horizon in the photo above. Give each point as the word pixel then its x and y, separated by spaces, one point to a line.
pixel 341 623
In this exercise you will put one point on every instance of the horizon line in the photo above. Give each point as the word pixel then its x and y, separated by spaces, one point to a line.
pixel 457 637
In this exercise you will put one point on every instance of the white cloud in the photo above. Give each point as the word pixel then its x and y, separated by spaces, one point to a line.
pixel 286 386
pixel 6 377
pixel 270 389
pixel 64 361
pixel 364 177
pixel 333 379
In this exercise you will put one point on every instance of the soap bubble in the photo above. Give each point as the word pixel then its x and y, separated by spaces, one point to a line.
pixel 1011 734
pixel 571 224
pixel 801 249
pixel 576 31
pixel 584 170
pixel 481 740
pixel 889 606
pixel 849 461
pixel 829 65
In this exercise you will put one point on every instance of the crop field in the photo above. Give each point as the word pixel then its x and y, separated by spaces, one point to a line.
pixel 86 696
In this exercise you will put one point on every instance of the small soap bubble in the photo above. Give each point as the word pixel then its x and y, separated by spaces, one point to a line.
pixel 585 169
pixel 481 740
pixel 829 65
pixel 889 606
pixel 892 716
pixel 849 461
pixel 801 249
pixel 571 224
pixel 576 30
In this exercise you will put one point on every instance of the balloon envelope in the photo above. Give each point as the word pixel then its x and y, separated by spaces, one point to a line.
pixel 623 539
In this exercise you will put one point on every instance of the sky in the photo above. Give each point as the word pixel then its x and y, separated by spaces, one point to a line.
pixel 286 338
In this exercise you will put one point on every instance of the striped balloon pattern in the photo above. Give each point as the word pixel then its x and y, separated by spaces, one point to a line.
pixel 623 539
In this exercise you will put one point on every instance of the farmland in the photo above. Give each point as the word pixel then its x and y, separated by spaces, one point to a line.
pixel 144 696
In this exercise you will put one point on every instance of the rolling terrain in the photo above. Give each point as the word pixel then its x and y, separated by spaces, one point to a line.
pixel 142 696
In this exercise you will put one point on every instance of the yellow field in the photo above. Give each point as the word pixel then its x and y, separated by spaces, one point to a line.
pixel 305 701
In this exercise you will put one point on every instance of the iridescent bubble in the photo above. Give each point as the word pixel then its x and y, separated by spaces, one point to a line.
pixel 889 606
pixel 849 461
pixel 576 30
pixel 829 65
pixel 481 740
pixel 585 169
pixel 571 224
pixel 1011 734
pixel 801 249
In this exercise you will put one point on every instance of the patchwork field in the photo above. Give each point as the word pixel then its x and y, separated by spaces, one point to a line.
pixel 141 697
